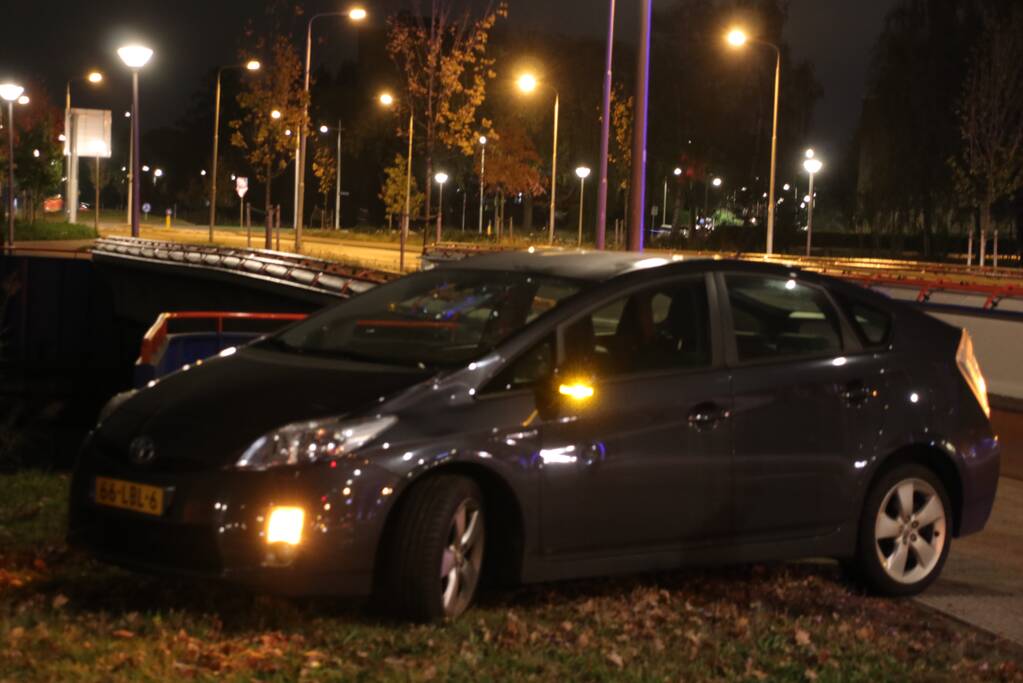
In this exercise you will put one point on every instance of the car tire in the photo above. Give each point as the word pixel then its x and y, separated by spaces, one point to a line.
pixel 905 532
pixel 434 551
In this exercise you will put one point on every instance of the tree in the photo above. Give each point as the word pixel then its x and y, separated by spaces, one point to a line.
pixel 325 170
pixel 37 157
pixel 442 55
pixel 989 167
pixel 276 87
pixel 392 194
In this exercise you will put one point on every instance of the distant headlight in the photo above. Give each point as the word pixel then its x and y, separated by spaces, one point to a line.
pixel 303 443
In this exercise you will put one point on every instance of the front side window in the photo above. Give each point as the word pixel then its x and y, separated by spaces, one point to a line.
pixel 441 318
pixel 663 328
pixel 777 317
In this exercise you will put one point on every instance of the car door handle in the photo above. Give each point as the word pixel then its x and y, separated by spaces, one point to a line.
pixel 707 416
pixel 857 393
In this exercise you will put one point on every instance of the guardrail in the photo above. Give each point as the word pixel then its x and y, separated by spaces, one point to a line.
pixel 293 270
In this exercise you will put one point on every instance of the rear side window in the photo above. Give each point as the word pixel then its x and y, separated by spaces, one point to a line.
pixel 775 317
pixel 873 324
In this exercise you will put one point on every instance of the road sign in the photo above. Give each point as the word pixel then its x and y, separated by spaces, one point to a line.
pixel 91 133
pixel 147 207
pixel 241 186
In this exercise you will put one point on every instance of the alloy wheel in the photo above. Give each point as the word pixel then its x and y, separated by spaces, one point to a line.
pixel 910 531
pixel 462 559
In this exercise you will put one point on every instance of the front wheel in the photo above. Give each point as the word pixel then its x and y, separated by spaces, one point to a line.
pixel 435 550
pixel 905 532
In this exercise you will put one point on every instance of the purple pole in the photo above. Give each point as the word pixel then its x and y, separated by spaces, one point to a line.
pixel 638 191
pixel 136 166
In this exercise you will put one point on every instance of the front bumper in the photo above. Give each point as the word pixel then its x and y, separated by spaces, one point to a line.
pixel 214 521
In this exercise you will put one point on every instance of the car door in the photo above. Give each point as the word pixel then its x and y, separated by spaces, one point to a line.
pixel 800 381
pixel 643 463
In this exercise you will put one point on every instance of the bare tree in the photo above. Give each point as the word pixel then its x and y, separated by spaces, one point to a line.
pixel 989 167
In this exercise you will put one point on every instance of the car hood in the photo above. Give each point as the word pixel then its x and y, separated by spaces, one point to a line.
pixel 207 415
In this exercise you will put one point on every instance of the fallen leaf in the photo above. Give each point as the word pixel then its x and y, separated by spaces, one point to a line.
pixel 616 659
pixel 123 633
pixel 802 637
pixel 59 601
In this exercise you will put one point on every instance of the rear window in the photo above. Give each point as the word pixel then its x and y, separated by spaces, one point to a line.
pixel 873 324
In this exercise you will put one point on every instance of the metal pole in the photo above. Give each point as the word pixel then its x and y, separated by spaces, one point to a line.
pixel 969 249
pixel 137 149
pixel 67 159
pixel 440 213
pixel 637 204
pixel 408 193
pixel 96 186
pixel 605 130
pixel 772 207
pixel 994 254
pixel 483 183
pixel 337 182
pixel 554 165
pixel 809 219
pixel 465 203
pixel 582 195
pixel 73 169
pixel 131 173
pixel 10 174
pixel 216 145
pixel 664 217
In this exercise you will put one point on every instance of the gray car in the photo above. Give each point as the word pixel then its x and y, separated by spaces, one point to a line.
pixel 536 417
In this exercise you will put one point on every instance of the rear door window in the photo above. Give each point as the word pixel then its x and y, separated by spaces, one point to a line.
pixel 777 317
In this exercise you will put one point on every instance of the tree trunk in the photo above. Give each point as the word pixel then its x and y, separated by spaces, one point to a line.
pixel 527 214
pixel 268 244
pixel 985 224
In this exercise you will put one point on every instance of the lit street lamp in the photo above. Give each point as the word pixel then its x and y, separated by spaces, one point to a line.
pixel 387 100
pixel 10 93
pixel 251 65
pixel 813 167
pixel 528 84
pixel 441 179
pixel 483 176
pixel 71 136
pixel 135 57
pixel 738 38
pixel 583 172
pixel 355 15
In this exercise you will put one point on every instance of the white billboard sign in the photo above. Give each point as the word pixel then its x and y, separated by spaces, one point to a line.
pixel 91 133
pixel 241 186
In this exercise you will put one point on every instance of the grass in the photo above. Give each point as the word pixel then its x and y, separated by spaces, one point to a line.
pixel 49 230
pixel 64 617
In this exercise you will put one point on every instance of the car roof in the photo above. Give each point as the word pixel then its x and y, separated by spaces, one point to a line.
pixel 597 266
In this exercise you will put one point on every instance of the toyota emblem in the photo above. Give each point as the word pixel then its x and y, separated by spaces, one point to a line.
pixel 142 450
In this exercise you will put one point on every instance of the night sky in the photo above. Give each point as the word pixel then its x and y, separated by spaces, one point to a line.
pixel 56 39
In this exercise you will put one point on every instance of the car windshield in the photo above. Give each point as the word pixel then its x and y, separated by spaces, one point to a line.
pixel 440 318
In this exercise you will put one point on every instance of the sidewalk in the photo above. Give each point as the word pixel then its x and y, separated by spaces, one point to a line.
pixel 983 579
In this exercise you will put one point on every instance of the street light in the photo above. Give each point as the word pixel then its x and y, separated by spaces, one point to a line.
pixel 337 176
pixel 10 92
pixel 583 172
pixel 528 84
pixel 275 115
pixel 386 99
pixel 356 15
pixel 738 39
pixel 71 136
pixel 251 65
pixel 483 176
pixel 135 57
pixel 812 166
pixel 441 179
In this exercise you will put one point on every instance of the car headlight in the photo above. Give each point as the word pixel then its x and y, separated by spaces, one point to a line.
pixel 303 443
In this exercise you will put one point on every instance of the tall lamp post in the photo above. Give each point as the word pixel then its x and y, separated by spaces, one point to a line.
pixel 738 38
pixel 528 84
pixel 812 166
pixel 71 136
pixel 637 191
pixel 483 176
pixel 337 175
pixel 583 172
pixel 605 129
pixel 387 100
pixel 441 179
pixel 251 65
pixel 355 15
pixel 135 57
pixel 678 173
pixel 10 93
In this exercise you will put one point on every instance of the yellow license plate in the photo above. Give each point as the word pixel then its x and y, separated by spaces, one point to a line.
pixel 129 496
